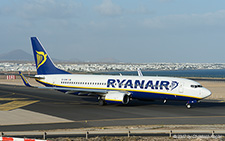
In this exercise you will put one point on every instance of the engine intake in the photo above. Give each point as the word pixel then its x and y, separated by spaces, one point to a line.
pixel 117 97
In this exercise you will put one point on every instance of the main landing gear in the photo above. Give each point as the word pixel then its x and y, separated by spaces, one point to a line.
pixel 101 101
pixel 164 101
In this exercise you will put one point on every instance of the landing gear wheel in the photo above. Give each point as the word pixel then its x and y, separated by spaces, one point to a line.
pixel 188 106
pixel 101 102
pixel 164 101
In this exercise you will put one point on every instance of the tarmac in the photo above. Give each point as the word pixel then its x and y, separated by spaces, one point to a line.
pixel 30 109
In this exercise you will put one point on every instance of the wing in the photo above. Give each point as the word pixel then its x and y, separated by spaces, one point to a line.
pixel 78 91
pixel 105 95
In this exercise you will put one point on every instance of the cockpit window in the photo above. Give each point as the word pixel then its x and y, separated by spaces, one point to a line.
pixel 196 86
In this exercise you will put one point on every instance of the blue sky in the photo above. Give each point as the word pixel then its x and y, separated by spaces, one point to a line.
pixel 138 31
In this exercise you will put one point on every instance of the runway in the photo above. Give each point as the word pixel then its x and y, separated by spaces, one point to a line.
pixel 23 109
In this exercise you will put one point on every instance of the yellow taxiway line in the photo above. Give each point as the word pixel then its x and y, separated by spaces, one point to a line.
pixel 11 99
pixel 15 104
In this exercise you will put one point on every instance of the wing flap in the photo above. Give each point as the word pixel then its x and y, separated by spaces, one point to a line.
pixel 73 90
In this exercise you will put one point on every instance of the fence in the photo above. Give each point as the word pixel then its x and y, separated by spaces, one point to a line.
pixel 128 133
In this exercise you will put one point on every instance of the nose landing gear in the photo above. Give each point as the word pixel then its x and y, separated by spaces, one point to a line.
pixel 189 103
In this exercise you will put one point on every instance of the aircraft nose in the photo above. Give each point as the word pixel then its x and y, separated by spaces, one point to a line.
pixel 206 93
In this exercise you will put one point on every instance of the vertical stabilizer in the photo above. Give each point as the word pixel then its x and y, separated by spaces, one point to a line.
pixel 43 61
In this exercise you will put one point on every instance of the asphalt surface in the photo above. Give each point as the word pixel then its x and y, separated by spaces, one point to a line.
pixel 84 111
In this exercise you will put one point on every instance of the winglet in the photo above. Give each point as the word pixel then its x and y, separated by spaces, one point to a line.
pixel 139 72
pixel 24 79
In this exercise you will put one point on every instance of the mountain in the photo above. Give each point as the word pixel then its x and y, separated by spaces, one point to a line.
pixel 20 55
pixel 16 55
pixel 74 59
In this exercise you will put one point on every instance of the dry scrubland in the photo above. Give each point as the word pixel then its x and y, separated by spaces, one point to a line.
pixel 138 138
pixel 174 136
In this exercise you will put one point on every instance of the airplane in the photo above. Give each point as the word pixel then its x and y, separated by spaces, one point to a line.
pixel 113 88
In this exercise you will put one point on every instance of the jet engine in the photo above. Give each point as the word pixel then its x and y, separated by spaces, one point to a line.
pixel 117 97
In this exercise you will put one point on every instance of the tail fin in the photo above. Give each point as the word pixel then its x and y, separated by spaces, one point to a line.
pixel 43 61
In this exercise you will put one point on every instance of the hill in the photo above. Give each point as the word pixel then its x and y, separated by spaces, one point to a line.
pixel 16 55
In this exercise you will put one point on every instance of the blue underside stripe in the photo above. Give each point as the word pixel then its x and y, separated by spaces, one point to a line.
pixel 111 101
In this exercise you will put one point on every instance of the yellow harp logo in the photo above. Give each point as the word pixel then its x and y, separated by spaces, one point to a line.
pixel 41 58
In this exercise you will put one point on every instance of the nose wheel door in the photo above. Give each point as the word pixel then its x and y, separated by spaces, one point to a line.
pixel 189 103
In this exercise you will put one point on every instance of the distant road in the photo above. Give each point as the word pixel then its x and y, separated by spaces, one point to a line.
pixel 206 79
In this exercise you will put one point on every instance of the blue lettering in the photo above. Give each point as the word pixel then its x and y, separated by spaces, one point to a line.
pixel 128 83
pixel 138 83
pixel 164 84
pixel 156 85
pixel 111 82
pixel 149 84
pixel 120 83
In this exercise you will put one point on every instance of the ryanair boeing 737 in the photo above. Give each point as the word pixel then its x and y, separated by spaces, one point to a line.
pixel 111 88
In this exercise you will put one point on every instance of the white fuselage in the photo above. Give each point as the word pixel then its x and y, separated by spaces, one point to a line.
pixel 140 87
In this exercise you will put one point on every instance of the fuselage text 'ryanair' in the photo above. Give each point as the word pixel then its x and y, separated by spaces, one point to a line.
pixel 142 84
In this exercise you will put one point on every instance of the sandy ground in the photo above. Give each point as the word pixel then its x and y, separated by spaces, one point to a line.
pixel 19 82
pixel 216 87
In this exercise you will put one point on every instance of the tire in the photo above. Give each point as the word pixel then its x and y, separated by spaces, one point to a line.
pixel 188 106
pixel 101 102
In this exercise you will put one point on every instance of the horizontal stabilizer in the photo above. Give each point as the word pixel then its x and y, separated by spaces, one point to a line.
pixel 37 77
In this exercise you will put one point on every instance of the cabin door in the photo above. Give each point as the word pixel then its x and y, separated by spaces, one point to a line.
pixel 181 88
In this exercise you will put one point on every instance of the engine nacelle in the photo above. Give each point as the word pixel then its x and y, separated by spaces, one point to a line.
pixel 117 97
